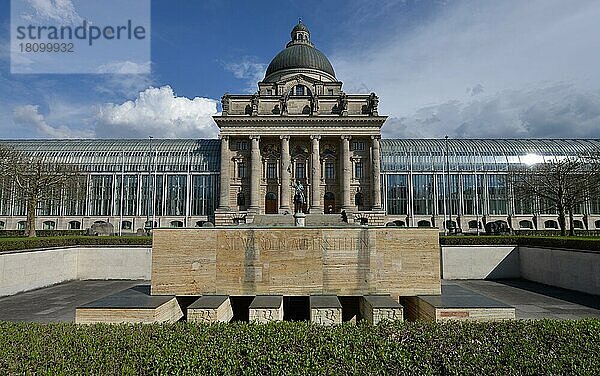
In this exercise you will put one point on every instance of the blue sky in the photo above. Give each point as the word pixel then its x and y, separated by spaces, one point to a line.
pixel 463 68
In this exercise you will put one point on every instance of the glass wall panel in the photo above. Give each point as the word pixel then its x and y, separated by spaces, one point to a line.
pixel 5 196
pixel 75 197
pixel 595 205
pixel 152 186
pixel 176 194
pixel 469 196
pixel 51 205
pixel 203 195
pixel 450 191
pixel 547 207
pixel 129 195
pixel 423 194
pixel 397 194
pixel 497 194
pixel 101 195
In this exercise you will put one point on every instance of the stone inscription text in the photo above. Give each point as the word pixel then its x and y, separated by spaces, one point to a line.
pixel 240 243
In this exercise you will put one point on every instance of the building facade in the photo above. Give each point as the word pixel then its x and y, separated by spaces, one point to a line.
pixel 300 129
pixel 300 132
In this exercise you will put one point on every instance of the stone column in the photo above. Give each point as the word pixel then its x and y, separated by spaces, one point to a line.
pixel 255 175
pixel 286 168
pixel 376 163
pixel 224 179
pixel 315 177
pixel 346 173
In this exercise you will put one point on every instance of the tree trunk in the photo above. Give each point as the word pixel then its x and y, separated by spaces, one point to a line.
pixel 31 206
pixel 562 220
pixel 571 229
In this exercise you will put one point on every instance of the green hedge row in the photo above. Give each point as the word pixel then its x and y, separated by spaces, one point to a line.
pixel 287 348
pixel 12 244
pixel 592 244
pixel 42 233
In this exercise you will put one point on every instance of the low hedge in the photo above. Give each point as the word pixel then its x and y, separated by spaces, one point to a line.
pixel 503 348
pixel 12 244
pixel 583 243
pixel 42 233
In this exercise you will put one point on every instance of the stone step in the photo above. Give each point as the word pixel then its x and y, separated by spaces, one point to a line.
pixel 210 309
pixel 456 303
pixel 266 308
pixel 376 308
pixel 325 309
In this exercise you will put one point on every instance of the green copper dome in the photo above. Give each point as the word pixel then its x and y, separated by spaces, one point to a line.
pixel 300 53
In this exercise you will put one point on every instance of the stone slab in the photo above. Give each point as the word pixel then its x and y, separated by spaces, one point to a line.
pixel 296 261
pixel 456 303
pixel 134 305
pixel 265 309
pixel 325 309
pixel 376 308
pixel 210 309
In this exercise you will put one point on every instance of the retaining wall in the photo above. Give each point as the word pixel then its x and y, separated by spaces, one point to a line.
pixel 31 269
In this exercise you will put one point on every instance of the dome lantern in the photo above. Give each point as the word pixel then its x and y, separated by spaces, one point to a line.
pixel 299 54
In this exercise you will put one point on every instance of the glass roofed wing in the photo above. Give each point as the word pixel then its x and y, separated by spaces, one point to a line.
pixel 127 155
pixel 476 154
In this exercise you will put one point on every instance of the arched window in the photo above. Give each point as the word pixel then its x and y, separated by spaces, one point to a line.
pixel 399 223
pixel 450 224
pixel 21 225
pixel 525 224
pixel 199 223
pixel 74 225
pixel 550 224
pixel 176 224
pixel 424 223
pixel 474 224
pixel 48 225
pixel 299 90
pixel 149 224
pixel 126 225
pixel 2 224
pixel 578 224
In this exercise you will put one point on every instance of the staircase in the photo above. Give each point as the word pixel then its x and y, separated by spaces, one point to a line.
pixel 287 220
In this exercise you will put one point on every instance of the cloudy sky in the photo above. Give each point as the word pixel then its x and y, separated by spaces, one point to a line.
pixel 468 69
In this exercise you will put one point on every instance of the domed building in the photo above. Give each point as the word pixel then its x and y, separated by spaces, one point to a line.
pixel 300 129
pixel 299 143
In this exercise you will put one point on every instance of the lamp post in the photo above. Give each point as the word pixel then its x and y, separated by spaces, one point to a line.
pixel 148 226
pixel 447 188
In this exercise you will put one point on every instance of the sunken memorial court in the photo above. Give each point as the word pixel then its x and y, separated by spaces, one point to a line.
pixel 299 211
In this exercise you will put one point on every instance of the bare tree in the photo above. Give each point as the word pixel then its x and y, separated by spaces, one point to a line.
pixel 562 183
pixel 36 180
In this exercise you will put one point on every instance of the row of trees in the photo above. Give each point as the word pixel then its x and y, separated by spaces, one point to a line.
pixel 36 180
pixel 563 183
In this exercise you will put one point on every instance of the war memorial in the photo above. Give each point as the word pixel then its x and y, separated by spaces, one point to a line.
pixel 313 153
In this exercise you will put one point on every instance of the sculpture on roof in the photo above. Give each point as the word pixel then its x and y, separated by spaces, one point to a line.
pixel 254 102
pixel 225 103
pixel 373 104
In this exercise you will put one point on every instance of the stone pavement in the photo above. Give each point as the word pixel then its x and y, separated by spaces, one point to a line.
pixel 536 301
pixel 531 300
pixel 57 303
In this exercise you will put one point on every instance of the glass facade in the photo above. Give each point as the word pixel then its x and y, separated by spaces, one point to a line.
pixel 422 181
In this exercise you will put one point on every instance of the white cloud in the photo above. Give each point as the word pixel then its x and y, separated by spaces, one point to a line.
pixel 60 11
pixel 125 67
pixel 29 117
pixel 504 69
pixel 552 111
pixel 249 70
pixel 160 113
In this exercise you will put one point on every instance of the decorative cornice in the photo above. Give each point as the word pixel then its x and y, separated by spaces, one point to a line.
pixel 314 120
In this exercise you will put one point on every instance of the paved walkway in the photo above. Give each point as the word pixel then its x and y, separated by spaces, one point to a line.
pixel 535 301
pixel 57 303
pixel 531 300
